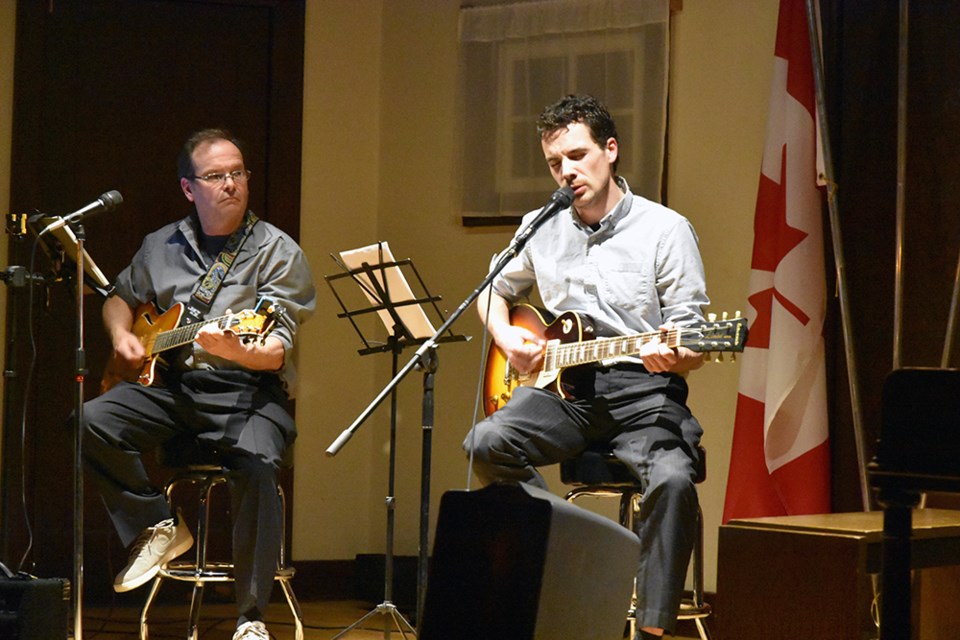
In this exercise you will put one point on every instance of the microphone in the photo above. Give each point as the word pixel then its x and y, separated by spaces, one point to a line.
pixel 106 202
pixel 561 199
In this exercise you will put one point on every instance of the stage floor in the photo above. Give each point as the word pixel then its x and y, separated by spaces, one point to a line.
pixel 322 620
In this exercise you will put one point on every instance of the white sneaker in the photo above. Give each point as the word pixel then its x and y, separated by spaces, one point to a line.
pixel 157 545
pixel 253 630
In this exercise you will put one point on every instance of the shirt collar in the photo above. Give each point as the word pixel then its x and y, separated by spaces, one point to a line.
pixel 613 216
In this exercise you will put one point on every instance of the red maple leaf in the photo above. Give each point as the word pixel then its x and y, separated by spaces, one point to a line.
pixel 773 238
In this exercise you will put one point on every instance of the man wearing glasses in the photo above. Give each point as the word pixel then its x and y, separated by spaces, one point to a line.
pixel 219 389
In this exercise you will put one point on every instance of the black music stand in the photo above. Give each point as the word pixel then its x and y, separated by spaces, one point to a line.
pixel 407 324
pixel 917 451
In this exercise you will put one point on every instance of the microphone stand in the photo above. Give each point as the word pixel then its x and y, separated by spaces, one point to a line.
pixel 425 358
pixel 79 375
pixel 74 234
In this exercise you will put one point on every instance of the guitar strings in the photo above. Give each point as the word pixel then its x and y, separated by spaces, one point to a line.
pixel 185 333
pixel 571 354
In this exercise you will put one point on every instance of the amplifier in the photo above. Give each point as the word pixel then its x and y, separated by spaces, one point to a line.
pixel 34 608
pixel 515 562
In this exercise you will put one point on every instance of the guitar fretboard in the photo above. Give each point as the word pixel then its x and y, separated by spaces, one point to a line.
pixel 183 335
pixel 562 355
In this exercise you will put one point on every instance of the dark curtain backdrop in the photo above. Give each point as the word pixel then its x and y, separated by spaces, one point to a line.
pixel 861 53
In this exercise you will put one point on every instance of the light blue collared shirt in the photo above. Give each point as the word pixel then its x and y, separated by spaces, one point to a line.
pixel 639 269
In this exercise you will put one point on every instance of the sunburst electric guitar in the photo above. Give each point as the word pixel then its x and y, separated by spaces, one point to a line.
pixel 159 333
pixel 572 341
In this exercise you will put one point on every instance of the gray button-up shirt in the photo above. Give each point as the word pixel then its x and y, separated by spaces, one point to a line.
pixel 169 264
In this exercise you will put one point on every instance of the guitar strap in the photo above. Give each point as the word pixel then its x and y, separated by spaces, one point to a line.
pixel 209 285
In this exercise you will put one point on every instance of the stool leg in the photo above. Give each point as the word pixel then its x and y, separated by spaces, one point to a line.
pixel 629 510
pixel 698 599
pixel 195 603
pixel 294 607
pixel 203 526
pixel 282 566
pixel 154 588
pixel 702 629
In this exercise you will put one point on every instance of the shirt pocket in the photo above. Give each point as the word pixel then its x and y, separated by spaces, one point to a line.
pixel 628 286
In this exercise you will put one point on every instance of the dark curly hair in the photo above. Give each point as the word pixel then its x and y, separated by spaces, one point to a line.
pixel 580 108
pixel 185 159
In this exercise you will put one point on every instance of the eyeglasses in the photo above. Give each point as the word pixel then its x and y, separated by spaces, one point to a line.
pixel 219 179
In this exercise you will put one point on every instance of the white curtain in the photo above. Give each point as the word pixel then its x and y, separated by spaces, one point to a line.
pixel 517 58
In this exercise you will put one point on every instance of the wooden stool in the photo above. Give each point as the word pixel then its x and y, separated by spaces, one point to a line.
pixel 598 473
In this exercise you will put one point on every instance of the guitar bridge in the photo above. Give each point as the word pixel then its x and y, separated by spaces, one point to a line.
pixel 509 374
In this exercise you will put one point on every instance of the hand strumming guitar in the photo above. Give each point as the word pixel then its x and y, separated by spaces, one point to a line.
pixel 118 319
pixel 523 348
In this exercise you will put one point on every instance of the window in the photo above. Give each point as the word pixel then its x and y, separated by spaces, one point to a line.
pixel 516 60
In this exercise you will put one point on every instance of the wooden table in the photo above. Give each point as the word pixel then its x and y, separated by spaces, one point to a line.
pixel 813 576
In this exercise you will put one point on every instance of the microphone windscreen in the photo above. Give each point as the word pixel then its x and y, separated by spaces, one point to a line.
pixel 563 196
pixel 111 199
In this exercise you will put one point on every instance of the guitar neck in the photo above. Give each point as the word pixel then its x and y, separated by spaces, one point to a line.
pixel 562 355
pixel 182 335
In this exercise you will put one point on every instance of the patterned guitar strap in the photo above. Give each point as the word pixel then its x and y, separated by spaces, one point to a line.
pixel 202 299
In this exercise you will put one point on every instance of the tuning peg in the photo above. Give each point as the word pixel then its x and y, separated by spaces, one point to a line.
pixel 724 315
pixel 733 356
pixel 719 357
pixel 712 317
pixel 737 315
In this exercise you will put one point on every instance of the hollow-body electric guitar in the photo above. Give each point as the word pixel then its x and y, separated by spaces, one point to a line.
pixel 572 341
pixel 162 332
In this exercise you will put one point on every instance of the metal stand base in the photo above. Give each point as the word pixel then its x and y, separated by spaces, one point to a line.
pixel 385 608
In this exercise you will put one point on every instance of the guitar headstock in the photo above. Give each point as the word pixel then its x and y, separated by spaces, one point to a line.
pixel 257 323
pixel 726 335
pixel 247 325
pixel 274 312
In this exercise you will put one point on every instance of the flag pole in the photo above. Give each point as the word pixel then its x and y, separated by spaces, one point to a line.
pixel 901 179
pixel 838 258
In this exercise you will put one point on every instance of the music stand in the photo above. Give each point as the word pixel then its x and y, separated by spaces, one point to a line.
pixel 381 279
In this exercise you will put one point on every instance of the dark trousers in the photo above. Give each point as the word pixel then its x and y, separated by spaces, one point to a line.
pixel 643 418
pixel 240 413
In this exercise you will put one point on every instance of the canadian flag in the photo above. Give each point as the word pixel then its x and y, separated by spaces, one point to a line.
pixel 780 462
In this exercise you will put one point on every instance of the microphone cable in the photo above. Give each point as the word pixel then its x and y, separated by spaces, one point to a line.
pixel 478 398
pixel 28 381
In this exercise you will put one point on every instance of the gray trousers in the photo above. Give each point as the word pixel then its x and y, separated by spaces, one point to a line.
pixel 243 415
pixel 643 418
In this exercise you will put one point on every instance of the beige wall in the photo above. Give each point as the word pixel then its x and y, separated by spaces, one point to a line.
pixel 380 163
pixel 334 515
pixel 722 67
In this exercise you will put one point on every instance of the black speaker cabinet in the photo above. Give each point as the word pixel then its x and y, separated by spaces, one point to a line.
pixel 517 563
pixel 34 608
